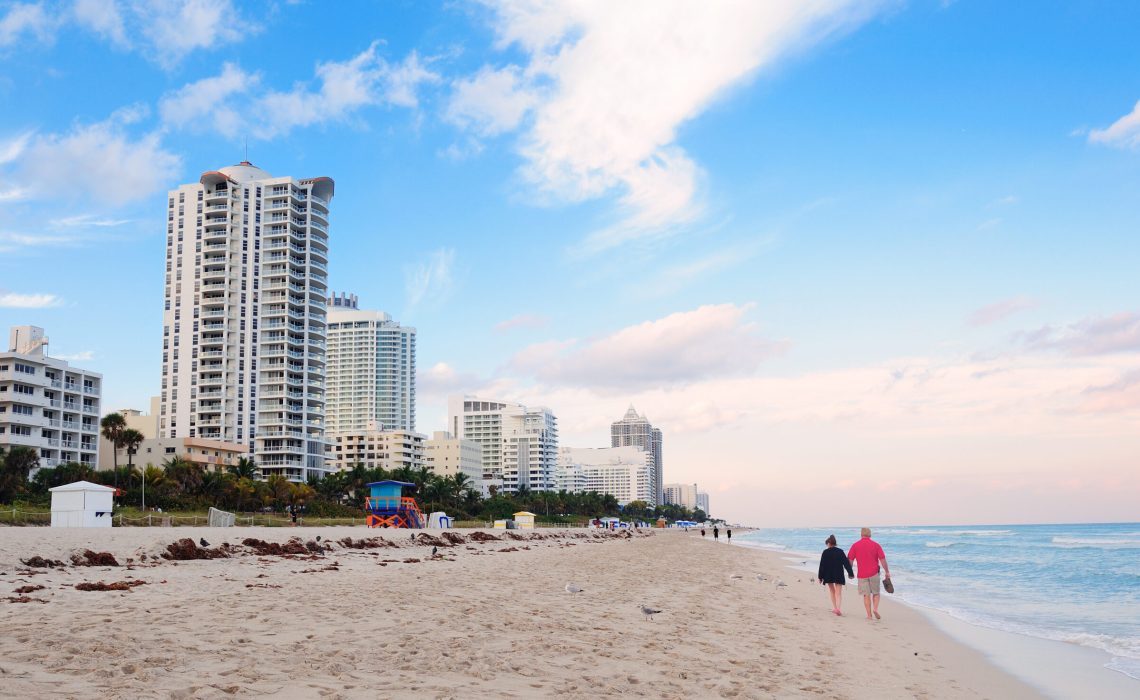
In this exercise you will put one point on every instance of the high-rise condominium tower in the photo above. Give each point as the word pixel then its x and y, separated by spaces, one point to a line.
pixel 371 370
pixel 520 444
pixel 637 431
pixel 243 347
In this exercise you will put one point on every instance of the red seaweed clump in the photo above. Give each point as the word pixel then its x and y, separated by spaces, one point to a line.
pixel 89 558
pixel 116 586
pixel 186 550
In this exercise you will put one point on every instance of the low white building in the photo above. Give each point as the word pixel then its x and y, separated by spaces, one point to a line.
pixel 626 473
pixel 82 504
pixel 446 455
pixel 46 404
pixel 388 449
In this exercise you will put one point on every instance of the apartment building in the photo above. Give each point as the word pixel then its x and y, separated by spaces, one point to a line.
pixel 626 472
pixel 520 444
pixel 388 449
pixel 46 404
pixel 637 431
pixel 681 495
pixel 446 456
pixel 244 326
pixel 371 370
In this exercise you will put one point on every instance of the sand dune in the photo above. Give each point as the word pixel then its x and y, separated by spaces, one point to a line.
pixel 477 620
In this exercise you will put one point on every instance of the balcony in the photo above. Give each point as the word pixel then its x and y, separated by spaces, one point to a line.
pixel 70 406
pixel 91 391
pixel 91 409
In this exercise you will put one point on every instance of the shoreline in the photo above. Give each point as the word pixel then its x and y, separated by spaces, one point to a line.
pixel 1056 669
pixel 478 619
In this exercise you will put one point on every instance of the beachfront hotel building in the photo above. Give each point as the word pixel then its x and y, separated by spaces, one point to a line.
pixel 371 378
pixel 447 456
pixel 682 495
pixel 520 444
pixel 637 431
pixel 703 501
pixel 211 455
pixel 244 327
pixel 46 404
pixel 626 473
pixel 387 449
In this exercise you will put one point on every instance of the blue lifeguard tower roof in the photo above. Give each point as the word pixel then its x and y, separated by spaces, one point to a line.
pixel 389 488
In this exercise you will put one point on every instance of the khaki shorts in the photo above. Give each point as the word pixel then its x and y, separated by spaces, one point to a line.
pixel 869 586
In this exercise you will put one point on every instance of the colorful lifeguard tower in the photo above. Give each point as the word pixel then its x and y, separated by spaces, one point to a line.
pixel 387 506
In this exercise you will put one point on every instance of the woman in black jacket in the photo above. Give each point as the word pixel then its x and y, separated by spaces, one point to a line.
pixel 831 565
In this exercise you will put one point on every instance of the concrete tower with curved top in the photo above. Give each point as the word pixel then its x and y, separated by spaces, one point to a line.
pixel 244 325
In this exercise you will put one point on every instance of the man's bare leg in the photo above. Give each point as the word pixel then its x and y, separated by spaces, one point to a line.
pixel 877 616
pixel 867 605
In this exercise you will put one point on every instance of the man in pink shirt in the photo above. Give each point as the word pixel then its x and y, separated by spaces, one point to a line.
pixel 866 555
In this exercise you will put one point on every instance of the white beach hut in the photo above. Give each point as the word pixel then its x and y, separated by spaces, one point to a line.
pixel 525 520
pixel 81 504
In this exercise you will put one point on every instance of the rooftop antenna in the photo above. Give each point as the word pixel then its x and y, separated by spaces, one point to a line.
pixel 246 140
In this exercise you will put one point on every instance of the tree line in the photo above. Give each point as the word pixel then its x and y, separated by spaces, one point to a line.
pixel 179 484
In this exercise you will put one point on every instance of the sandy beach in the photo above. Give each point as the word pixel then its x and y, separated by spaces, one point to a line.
pixel 478 619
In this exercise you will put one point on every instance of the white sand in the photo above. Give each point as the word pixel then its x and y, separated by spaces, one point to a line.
pixel 475 623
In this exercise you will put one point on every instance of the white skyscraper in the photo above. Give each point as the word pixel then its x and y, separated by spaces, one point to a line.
pixel 46 404
pixel 637 431
pixel 243 348
pixel 520 444
pixel 371 370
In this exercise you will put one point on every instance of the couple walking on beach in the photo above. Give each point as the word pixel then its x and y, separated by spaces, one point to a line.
pixel 867 554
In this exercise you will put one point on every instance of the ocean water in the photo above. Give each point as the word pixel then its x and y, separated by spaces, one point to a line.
pixel 1072 583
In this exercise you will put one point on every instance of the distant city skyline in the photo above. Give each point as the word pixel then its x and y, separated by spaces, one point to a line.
pixel 862 262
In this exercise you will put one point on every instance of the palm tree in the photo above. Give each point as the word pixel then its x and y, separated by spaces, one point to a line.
pixel 113 425
pixel 131 439
pixel 245 468
pixel 14 468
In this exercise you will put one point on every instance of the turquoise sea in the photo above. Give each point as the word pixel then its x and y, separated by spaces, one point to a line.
pixel 1072 583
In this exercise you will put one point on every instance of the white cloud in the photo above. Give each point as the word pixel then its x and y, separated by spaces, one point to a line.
pixel 679 349
pixel 97 159
pixel 87 221
pixel 1123 133
pixel 367 79
pixel 492 101
pixel 201 105
pixel 102 17
pixel 992 313
pixel 11 150
pixel 24 19
pixel 430 281
pixel 174 29
pixel 608 85
pixel 10 300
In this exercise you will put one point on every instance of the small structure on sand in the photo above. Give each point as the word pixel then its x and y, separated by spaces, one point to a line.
pixel 524 520
pixel 81 504
pixel 387 506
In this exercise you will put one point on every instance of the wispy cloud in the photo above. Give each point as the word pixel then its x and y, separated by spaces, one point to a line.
pixel 678 349
pixel 11 300
pixel 235 100
pixel 84 356
pixel 605 87
pixel 1123 133
pixel 521 321
pixel 87 221
pixel 430 282
pixel 1096 335
pixel 82 161
pixel 992 313
pixel 25 19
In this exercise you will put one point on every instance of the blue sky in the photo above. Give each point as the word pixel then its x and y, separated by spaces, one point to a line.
pixel 878 257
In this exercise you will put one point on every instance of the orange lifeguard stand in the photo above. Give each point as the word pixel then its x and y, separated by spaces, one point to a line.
pixel 387 506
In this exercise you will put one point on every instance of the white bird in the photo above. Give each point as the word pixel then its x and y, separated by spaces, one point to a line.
pixel 571 588
pixel 760 578
pixel 648 611
pixel 780 584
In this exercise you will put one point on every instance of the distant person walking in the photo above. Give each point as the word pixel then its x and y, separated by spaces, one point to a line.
pixel 867 554
pixel 702 532
pixel 716 533
pixel 729 533
pixel 831 565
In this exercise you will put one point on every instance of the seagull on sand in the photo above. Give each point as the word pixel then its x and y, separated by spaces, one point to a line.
pixel 571 588
pixel 202 541
pixel 648 611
